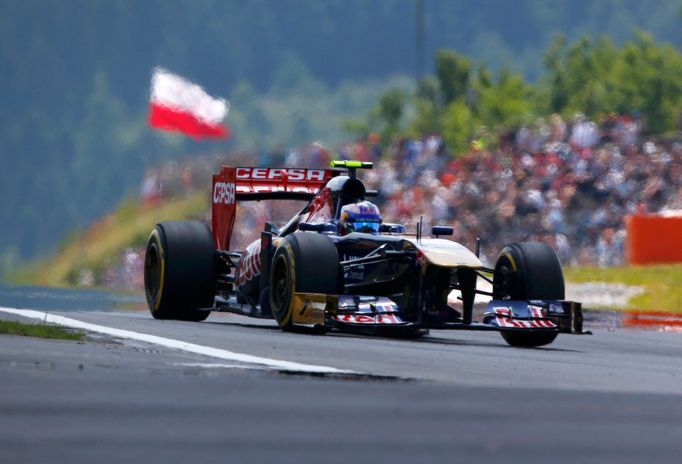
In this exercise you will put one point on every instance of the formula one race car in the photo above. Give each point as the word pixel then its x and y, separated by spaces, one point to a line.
pixel 336 265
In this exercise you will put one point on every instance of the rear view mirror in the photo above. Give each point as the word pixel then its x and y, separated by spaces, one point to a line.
pixel 389 228
pixel 317 227
pixel 441 230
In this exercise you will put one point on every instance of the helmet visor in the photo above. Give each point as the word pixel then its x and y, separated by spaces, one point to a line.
pixel 368 227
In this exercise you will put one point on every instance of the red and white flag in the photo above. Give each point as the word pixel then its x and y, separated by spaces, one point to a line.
pixel 179 105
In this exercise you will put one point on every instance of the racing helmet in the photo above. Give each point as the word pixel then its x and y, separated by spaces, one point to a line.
pixel 360 217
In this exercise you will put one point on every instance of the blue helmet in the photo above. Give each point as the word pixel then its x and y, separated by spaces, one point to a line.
pixel 360 217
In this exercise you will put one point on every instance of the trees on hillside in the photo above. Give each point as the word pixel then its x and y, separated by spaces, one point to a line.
pixel 592 77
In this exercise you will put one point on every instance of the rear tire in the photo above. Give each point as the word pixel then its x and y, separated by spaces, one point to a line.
pixel 179 271
pixel 528 271
pixel 303 262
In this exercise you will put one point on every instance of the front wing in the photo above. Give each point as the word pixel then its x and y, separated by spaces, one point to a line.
pixel 346 311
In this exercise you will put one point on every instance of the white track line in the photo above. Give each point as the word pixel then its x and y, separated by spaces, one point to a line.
pixel 177 344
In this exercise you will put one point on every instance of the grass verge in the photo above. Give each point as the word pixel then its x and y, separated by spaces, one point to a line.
pixel 662 283
pixel 39 331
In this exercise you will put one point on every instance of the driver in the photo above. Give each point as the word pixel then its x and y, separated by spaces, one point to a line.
pixel 360 217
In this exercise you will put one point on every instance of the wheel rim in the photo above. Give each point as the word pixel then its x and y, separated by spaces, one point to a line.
pixel 152 272
pixel 281 291
pixel 502 283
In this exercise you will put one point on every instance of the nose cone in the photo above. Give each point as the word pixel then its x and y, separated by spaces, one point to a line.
pixel 447 253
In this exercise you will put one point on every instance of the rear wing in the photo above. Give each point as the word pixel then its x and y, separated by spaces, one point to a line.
pixel 253 183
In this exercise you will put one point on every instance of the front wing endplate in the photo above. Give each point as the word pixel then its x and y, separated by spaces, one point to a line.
pixel 313 308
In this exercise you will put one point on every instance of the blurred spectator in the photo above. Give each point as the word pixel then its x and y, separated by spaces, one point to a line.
pixel 150 192
pixel 609 248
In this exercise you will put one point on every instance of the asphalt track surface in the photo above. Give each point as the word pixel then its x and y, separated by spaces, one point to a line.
pixel 452 396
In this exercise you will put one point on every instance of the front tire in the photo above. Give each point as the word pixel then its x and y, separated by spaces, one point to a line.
pixel 303 262
pixel 528 271
pixel 179 271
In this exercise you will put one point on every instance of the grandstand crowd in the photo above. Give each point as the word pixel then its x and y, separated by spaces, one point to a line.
pixel 569 183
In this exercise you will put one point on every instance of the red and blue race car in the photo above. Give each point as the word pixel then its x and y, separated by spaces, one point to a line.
pixel 336 265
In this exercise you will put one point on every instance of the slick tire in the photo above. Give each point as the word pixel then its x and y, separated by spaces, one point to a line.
pixel 303 262
pixel 179 271
pixel 528 271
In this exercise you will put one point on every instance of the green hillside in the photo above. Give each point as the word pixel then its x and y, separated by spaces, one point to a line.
pixel 101 245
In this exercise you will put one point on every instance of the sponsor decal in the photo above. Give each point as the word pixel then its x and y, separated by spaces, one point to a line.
pixel 366 307
pixel 386 307
pixel 539 313
pixel 285 174
pixel 266 180
pixel 346 304
pixel 381 305
pixel 224 193
pixel 249 264
pixel 536 311
pixel 504 319
pixel 365 319
pixel 267 188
